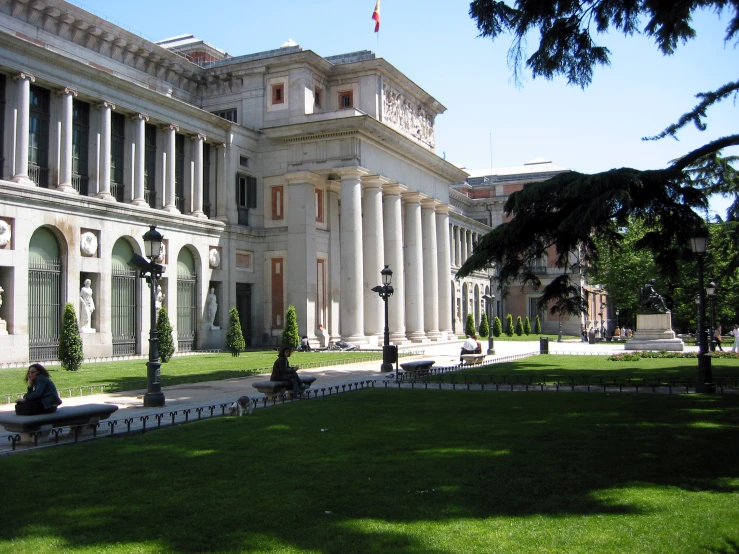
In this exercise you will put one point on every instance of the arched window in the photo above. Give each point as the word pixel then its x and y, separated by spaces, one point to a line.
pixel 186 301
pixel 44 296
pixel 123 300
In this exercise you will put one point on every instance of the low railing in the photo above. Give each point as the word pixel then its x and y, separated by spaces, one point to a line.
pixel 118 190
pixel 81 184
pixel 39 175
pixel 151 197
pixel 243 215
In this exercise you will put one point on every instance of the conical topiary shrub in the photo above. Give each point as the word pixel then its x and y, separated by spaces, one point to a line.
pixel 234 338
pixel 497 327
pixel 509 325
pixel 527 326
pixel 519 326
pixel 484 326
pixel 70 342
pixel 537 327
pixel 469 325
pixel 164 335
pixel 290 336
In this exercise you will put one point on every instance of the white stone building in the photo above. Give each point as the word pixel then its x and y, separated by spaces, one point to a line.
pixel 277 178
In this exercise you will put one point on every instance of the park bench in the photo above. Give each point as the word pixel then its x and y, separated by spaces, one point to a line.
pixel 271 388
pixel 65 416
pixel 473 358
pixel 418 367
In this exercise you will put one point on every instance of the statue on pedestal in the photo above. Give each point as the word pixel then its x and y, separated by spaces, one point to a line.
pixel 651 301
pixel 87 306
pixel 211 307
pixel 159 300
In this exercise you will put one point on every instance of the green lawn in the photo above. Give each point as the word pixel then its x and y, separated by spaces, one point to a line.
pixel 396 471
pixel 131 374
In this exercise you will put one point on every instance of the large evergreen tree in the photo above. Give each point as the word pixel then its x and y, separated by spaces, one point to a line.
pixel 290 335
pixel 164 336
pixel 573 213
pixel 234 338
pixel 70 342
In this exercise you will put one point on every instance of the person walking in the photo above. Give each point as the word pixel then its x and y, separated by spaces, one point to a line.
pixel 735 333
pixel 717 337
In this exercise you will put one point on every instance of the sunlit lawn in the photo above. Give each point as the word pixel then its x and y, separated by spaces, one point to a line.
pixel 202 367
pixel 396 471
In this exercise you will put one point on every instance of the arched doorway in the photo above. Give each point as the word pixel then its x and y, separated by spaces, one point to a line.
pixel 123 300
pixel 44 296
pixel 186 301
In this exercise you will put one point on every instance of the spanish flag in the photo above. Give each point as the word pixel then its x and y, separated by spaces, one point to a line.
pixel 376 16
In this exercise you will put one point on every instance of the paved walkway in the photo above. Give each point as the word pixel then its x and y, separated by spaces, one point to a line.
pixel 183 400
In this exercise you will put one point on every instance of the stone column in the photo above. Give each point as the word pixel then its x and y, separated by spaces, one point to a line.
pixel 221 183
pixel 352 280
pixel 139 159
pixel 393 239
pixel 444 264
pixel 463 245
pixel 302 279
pixel 374 255
pixel 23 109
pixel 65 146
pixel 468 235
pixel 334 262
pixel 169 168
pixel 197 185
pixel 430 269
pixel 413 265
pixel 106 109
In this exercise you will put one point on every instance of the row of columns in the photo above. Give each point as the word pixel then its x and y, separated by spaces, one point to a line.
pixel 464 241
pixel 67 95
pixel 381 223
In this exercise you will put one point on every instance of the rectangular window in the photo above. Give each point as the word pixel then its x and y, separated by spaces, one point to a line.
pixel 246 196
pixel 278 307
pixel 38 136
pixel 80 145
pixel 534 309
pixel 318 97
pixel 206 179
pixel 244 259
pixel 229 115
pixel 346 99
pixel 278 93
pixel 150 164
pixel 319 205
pixel 179 172
pixel 277 200
pixel 117 148
pixel 321 293
pixel 244 161
pixel 2 119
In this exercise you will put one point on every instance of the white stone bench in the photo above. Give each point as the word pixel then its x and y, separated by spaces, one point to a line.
pixel 65 416
pixel 271 388
pixel 473 358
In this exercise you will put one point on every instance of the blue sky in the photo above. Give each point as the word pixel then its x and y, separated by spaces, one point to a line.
pixel 489 121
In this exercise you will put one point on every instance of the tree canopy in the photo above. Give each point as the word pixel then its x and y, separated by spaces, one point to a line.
pixel 567 213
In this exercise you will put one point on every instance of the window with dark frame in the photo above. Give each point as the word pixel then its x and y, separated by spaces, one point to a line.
pixel 179 172
pixel 150 164
pixel 229 115
pixel 117 148
pixel 278 93
pixel 346 99
pixel 206 179
pixel 246 196
pixel 317 95
pixel 80 146
pixel 38 136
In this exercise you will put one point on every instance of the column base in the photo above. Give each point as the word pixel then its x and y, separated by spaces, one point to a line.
pixel 140 202
pixel 106 196
pixel 67 189
pixel 398 338
pixel 417 336
pixel 23 180
pixel 433 335
pixel 355 339
pixel 199 215
pixel 171 209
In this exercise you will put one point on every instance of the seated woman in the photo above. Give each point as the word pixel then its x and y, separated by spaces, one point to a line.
pixel 305 344
pixel 281 371
pixel 470 346
pixel 42 397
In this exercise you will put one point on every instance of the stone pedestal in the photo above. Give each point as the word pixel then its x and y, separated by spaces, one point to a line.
pixel 654 332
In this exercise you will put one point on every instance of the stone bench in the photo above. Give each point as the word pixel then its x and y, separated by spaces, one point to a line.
pixel 65 416
pixel 473 358
pixel 418 367
pixel 272 388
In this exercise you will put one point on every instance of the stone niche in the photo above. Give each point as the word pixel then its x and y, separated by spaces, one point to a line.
pixel 654 332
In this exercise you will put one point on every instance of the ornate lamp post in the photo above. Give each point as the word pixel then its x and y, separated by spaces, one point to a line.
pixel 389 352
pixel 698 243
pixel 711 292
pixel 617 314
pixel 152 272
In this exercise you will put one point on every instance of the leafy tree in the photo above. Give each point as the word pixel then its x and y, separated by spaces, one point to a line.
pixel 527 326
pixel 484 326
pixel 234 338
pixel 573 213
pixel 537 326
pixel 164 335
pixel 290 335
pixel 497 327
pixel 509 325
pixel 519 326
pixel 469 325
pixel 70 342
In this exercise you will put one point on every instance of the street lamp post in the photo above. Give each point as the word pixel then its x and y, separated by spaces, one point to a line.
pixel 711 292
pixel 617 314
pixel 490 299
pixel 152 272
pixel 705 378
pixel 389 352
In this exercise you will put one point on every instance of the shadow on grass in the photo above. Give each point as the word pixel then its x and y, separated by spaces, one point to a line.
pixel 387 471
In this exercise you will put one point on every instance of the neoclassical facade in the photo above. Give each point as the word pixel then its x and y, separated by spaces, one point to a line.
pixel 277 178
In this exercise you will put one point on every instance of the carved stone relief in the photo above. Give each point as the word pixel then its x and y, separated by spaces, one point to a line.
pixel 407 114
pixel 5 233
pixel 88 244
pixel 214 257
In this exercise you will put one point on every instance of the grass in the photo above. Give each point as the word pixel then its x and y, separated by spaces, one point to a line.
pixel 533 337
pixel 396 471
pixel 131 374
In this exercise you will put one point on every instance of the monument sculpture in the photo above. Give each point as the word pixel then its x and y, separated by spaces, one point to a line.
pixel 87 306
pixel 653 323
pixel 3 324
pixel 211 307
pixel 159 300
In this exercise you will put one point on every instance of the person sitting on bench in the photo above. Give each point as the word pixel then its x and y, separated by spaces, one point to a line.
pixel 281 371
pixel 42 397
pixel 304 344
pixel 470 346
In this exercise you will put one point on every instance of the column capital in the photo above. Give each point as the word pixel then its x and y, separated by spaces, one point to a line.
pixel 304 177
pixel 105 104
pixel 354 172
pixel 198 136
pixel 443 208
pixel 170 127
pixel 139 116
pixel 374 181
pixel 429 203
pixel 66 91
pixel 23 76
pixel 394 189
pixel 413 197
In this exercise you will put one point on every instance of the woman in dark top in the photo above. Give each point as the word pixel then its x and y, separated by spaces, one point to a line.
pixel 281 371
pixel 42 397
